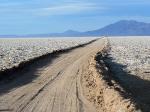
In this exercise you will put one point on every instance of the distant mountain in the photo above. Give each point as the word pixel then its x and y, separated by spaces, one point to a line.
pixel 68 33
pixel 120 28
pixel 123 28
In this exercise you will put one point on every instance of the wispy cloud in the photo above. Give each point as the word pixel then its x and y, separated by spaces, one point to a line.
pixel 69 8
pixel 126 2
pixel 64 8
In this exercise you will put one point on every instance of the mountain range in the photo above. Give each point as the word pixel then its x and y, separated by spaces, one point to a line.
pixel 120 28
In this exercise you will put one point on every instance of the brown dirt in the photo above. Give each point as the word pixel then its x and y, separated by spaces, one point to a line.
pixel 55 87
pixel 73 82
pixel 100 88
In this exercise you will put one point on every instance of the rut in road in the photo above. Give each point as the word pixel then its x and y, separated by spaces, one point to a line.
pixel 57 88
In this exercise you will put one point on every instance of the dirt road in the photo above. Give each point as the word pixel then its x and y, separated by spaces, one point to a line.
pixel 56 87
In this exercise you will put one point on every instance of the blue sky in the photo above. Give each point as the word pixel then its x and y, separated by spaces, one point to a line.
pixel 46 16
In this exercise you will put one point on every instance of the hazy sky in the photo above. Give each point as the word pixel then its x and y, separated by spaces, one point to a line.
pixel 46 16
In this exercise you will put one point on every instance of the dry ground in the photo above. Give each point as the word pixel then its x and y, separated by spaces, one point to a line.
pixel 70 83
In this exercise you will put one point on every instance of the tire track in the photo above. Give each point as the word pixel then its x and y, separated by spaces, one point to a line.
pixel 40 90
pixel 54 98
pixel 58 86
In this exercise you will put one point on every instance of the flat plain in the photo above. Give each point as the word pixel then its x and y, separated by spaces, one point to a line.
pixel 56 86
pixel 14 51
pixel 129 61
pixel 107 75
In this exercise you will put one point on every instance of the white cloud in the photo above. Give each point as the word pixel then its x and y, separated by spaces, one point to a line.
pixel 61 8
pixel 68 8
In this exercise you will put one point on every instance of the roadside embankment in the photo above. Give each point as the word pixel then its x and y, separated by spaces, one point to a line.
pixel 103 90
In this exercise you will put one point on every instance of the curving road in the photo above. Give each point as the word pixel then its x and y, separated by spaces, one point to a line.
pixel 56 88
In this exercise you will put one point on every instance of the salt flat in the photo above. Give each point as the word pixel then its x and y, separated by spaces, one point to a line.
pixel 15 51
pixel 134 52
pixel 129 62
pixel 74 81
pixel 56 87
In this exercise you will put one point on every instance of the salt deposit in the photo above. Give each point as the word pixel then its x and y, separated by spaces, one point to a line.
pixel 15 51
pixel 132 52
